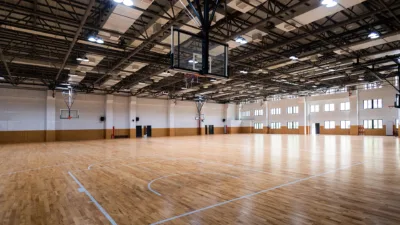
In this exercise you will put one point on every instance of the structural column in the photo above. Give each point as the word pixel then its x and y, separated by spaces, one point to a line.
pixel 50 117
pixel 171 117
pixel 354 112
pixel 109 116
pixel 132 117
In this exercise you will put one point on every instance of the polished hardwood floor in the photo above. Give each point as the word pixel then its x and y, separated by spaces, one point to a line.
pixel 220 179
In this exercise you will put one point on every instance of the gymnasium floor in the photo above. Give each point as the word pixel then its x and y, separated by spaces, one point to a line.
pixel 220 179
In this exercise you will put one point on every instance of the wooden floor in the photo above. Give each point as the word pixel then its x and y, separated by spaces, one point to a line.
pixel 220 179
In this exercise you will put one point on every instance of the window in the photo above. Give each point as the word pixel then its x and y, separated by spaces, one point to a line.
pixel 329 107
pixel 276 111
pixel 396 81
pixel 246 113
pixel 329 125
pixel 345 106
pixel 373 124
pixel 293 110
pixel 345 124
pixel 275 125
pixel 314 108
pixel 397 123
pixel 258 126
pixel 373 104
pixel 293 125
pixel 258 112
pixel 372 86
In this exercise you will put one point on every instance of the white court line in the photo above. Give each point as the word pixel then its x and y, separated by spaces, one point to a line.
pixel 253 194
pixel 102 210
pixel 178 174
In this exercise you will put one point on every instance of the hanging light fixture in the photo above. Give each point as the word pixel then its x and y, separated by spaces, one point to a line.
pixel 99 41
pixel 373 35
pixel 128 2
pixel 92 39
pixel 118 1
pixel 241 40
pixel 293 58
pixel 82 59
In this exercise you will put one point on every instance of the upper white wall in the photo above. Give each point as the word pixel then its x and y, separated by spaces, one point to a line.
pixel 121 112
pixel 387 114
pixel 22 109
pixel 284 117
pixel 153 112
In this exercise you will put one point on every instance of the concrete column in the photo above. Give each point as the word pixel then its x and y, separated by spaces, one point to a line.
pixel 307 125
pixel 171 117
pixel 354 112
pixel 132 117
pixel 50 116
pixel 203 123
pixel 109 115
pixel 267 117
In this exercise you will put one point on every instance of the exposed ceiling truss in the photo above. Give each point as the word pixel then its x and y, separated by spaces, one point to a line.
pixel 295 47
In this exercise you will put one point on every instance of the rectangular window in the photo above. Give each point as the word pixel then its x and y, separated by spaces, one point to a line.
pixel 329 107
pixel 293 125
pixel 373 124
pixel 276 111
pixel 258 126
pixel 275 125
pixel 329 125
pixel 373 104
pixel 293 110
pixel 314 108
pixel 345 106
pixel 345 124
pixel 397 123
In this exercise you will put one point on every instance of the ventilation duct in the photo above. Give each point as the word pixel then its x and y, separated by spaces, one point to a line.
pixel 316 14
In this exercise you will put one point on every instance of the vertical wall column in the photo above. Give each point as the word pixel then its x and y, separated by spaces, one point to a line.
pixel 203 123
pixel 132 117
pixel 109 116
pixel 354 112
pixel 267 115
pixel 307 125
pixel 50 117
pixel 171 117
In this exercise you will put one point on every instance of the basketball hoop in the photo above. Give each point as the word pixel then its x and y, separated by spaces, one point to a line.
pixel 69 98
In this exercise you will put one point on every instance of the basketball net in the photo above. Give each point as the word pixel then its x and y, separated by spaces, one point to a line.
pixel 190 79
pixel 69 98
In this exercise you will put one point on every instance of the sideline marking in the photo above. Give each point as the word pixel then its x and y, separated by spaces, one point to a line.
pixel 178 174
pixel 255 193
pixel 83 189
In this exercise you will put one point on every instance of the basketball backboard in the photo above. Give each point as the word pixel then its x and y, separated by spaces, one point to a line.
pixel 187 54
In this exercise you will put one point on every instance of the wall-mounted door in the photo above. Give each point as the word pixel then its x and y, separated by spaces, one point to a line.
pixel 211 129
pixel 148 131
pixel 206 127
pixel 317 128
pixel 138 131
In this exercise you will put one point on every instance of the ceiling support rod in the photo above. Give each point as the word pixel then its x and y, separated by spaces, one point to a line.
pixel 78 32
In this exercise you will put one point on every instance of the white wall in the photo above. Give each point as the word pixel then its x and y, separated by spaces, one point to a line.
pixel 121 112
pixel 355 115
pixel 185 115
pixel 152 112
pixel 91 108
pixel 387 114
pixel 22 110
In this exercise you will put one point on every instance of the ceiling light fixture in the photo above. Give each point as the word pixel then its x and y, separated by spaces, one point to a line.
pixel 193 61
pixel 373 35
pixel 128 2
pixel 329 3
pixel 118 1
pixel 243 72
pixel 92 39
pixel 83 59
pixel 241 40
pixel 96 39
pixel 293 58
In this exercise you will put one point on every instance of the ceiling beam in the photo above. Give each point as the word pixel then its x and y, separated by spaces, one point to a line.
pixel 78 32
